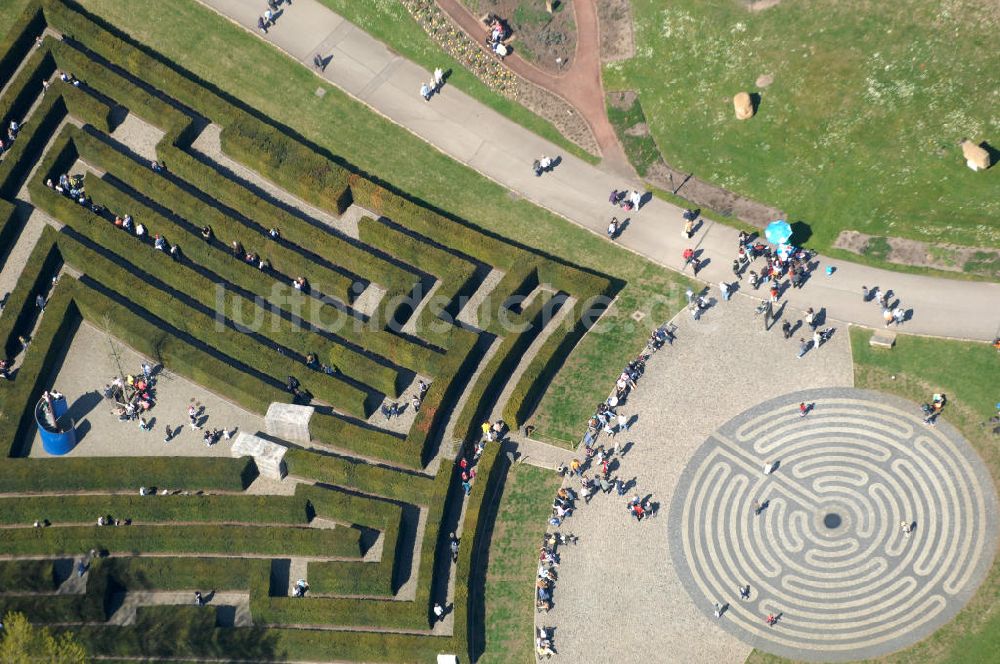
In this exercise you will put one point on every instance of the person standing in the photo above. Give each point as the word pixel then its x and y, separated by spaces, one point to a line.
pixel 689 228
pixel 803 409
pixel 817 339
pixel 425 91
pixel 786 329
pixel 438 612
pixel 811 318
pixel 803 347
pixel 438 79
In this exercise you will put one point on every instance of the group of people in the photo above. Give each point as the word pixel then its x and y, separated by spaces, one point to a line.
pixel 892 311
pixel 498 34
pixel 548 561
pixel 626 199
pixel 933 409
pixel 72 187
pixel 395 409
pixel 270 15
pixel 428 90
pixel 132 395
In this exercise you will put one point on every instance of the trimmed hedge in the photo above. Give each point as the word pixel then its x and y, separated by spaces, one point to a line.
pixel 359 476
pixel 286 258
pixel 194 363
pixel 163 573
pixel 454 274
pixel 19 39
pixel 216 538
pixel 543 367
pixel 36 278
pixel 17 397
pixel 111 474
pixel 187 276
pixel 504 360
pixel 346 578
pixel 60 510
pixel 142 288
pixel 27 576
pixel 22 157
pixel 293 166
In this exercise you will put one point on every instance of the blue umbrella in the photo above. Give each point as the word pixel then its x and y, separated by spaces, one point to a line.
pixel 778 232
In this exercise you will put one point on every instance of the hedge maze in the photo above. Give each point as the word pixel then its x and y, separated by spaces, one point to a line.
pixel 394 292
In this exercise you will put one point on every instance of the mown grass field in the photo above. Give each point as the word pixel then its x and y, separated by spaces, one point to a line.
pixel 859 129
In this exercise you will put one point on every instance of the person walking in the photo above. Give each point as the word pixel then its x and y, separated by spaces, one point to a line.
pixel 425 91
pixel 736 268
pixel 906 527
pixel 622 422
pixel 817 339
pixel 438 612
pixel 803 409
pixel 803 347
pixel 786 329
pixel 726 289
pixel 168 435
pixel 745 591
pixel 688 228
pixel 811 318
pixel 438 79
pixel 887 316
pixel 193 416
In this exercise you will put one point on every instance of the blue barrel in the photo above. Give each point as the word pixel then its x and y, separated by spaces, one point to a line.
pixel 61 438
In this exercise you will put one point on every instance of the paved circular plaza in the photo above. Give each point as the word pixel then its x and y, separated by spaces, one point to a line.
pixel 827 552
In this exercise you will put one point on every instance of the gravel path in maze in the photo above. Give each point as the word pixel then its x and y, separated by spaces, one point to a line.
pixel 620 596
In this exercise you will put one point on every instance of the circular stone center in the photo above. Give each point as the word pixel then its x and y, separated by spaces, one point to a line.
pixel 832 520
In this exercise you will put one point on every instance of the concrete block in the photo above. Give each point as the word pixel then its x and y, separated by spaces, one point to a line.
pixel 883 339
pixel 289 422
pixel 269 457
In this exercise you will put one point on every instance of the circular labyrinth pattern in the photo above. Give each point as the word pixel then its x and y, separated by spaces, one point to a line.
pixel 827 553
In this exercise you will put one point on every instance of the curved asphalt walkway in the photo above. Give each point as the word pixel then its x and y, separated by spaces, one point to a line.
pixel 477 136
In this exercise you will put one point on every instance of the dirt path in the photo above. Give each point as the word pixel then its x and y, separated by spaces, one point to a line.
pixel 580 83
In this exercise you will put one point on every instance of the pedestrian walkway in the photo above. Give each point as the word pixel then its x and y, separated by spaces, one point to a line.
pixel 503 151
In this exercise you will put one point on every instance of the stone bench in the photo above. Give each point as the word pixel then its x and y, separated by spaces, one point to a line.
pixel 269 457
pixel 289 422
pixel 883 339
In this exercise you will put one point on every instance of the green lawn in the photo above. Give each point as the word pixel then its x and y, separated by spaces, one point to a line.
pixel 218 51
pixel 510 580
pixel 859 129
pixel 966 372
pixel 392 24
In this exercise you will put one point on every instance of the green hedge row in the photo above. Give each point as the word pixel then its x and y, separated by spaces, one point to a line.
pixel 36 276
pixel 498 370
pixel 197 365
pixel 359 476
pixel 346 578
pixel 545 365
pixel 181 276
pixel 455 276
pixel 19 39
pixel 54 608
pixel 22 157
pixel 61 510
pixel 22 92
pixel 285 258
pixel 140 287
pixel 18 397
pixel 325 243
pixel 292 165
pixel 187 573
pixel 27 576
pixel 197 539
